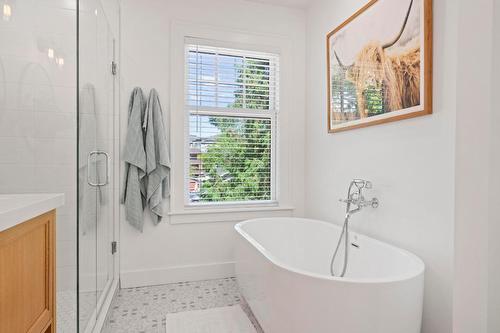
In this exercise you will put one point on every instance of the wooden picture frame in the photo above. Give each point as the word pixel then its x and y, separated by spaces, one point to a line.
pixel 380 83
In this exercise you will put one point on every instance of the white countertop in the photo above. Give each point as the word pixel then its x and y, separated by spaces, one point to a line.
pixel 18 208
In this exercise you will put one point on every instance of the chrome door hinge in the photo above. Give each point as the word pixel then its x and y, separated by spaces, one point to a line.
pixel 113 247
pixel 114 68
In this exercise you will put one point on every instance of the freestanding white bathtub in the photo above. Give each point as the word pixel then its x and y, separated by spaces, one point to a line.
pixel 282 266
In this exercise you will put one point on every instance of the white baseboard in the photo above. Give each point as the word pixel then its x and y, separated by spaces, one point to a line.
pixel 140 278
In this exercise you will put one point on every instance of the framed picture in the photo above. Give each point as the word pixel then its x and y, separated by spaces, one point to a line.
pixel 379 64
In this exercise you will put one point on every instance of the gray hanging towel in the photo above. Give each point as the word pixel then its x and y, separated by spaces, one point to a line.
pixel 157 157
pixel 134 155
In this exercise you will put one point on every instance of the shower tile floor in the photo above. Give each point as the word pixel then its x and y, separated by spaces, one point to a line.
pixel 66 309
pixel 143 309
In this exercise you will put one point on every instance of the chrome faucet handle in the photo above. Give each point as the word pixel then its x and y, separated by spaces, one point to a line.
pixel 362 202
pixel 374 203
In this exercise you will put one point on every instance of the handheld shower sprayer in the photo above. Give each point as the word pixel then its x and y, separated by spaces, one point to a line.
pixel 354 197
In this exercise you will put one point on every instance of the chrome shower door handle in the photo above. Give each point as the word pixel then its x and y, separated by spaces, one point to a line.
pixel 89 157
pixel 106 155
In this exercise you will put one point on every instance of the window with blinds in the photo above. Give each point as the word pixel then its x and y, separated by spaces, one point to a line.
pixel 232 103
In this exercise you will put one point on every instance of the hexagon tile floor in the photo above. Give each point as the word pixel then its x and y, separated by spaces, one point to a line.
pixel 143 309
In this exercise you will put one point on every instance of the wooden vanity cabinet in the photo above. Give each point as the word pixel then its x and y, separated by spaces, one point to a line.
pixel 27 276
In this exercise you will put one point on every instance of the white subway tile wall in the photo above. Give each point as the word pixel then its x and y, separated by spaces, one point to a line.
pixel 38 118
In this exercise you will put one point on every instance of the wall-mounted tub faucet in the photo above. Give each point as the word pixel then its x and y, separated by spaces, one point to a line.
pixel 354 197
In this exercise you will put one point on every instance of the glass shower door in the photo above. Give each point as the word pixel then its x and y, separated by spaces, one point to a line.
pixel 96 196
pixel 105 145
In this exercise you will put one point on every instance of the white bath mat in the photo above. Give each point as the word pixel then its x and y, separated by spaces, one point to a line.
pixel 229 319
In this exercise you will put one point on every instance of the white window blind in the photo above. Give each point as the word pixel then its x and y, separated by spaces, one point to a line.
pixel 232 99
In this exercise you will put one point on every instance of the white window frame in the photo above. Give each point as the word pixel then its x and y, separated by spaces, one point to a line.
pixel 258 114
pixel 182 211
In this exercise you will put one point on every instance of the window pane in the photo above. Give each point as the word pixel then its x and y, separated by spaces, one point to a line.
pixel 217 78
pixel 230 159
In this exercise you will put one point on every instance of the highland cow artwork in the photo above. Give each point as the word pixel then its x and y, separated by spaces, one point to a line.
pixel 380 65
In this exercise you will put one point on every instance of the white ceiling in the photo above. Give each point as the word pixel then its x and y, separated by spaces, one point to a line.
pixel 287 3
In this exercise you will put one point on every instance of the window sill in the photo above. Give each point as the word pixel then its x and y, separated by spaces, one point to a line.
pixel 233 214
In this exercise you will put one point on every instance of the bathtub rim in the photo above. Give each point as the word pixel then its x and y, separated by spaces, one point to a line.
pixel 419 271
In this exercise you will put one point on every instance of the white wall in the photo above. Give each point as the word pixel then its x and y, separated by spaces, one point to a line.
pixel 38 119
pixel 494 221
pixel 410 162
pixel 188 251
pixel 473 156
pixel 477 268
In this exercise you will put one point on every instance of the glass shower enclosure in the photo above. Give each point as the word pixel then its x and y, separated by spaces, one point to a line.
pixel 58 126
pixel 97 193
